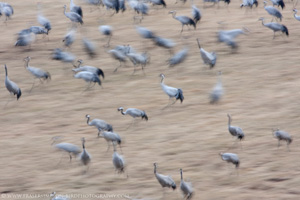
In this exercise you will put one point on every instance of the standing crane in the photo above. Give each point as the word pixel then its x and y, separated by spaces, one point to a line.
pixel 138 59
pixel 69 38
pixel 89 77
pixel 275 27
pixel 106 30
pixel 231 158
pixel 74 17
pixel 178 58
pixel 67 147
pixel 184 20
pixel 87 68
pixel 186 188
pixel 101 125
pixel 278 3
pixel 76 9
pixel 171 91
pixel 196 14
pixel 36 72
pixel 111 137
pixel 164 181
pixel 118 161
pixel 235 131
pixel 249 3
pixel 43 20
pixel 11 86
pixel 282 135
pixel 134 112
pixel 7 10
pixel 217 91
pixel 273 11
pixel 209 58
pixel 84 157
pixel 297 17
pixel 118 55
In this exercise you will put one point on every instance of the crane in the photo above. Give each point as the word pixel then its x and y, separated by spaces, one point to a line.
pixel 196 14
pixel 282 135
pixel 25 38
pixel 74 17
pixel 228 36
pixel 69 38
pixel 101 125
pixel 118 161
pixel 145 33
pixel 249 3
pixel 87 68
pixel 217 91
pixel 235 131
pixel 89 77
pixel 67 147
pixel 36 72
pixel 84 156
pixel 278 3
pixel 43 20
pixel 184 20
pixel 89 47
pixel 231 158
pixel 134 112
pixel 275 27
pixel 111 137
pixel 297 17
pixel 59 54
pixel 178 58
pixel 273 11
pixel 164 181
pixel 7 10
pixel 209 58
pixel 171 91
pixel 76 9
pixel 11 86
pixel 138 59
pixel 186 188
pixel 118 55
pixel 158 2
pixel 106 30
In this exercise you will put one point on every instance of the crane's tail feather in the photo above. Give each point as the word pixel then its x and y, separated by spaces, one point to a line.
pixel 19 94
pixel 285 30
pixel 237 164
pixel 180 95
pixel 145 116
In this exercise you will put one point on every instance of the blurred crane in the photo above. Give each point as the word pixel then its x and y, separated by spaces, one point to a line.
pixel 111 137
pixel 158 2
pixel 11 86
pixel 184 20
pixel 25 38
pixel 37 30
pixel 36 72
pixel 134 112
pixel 87 68
pixel 217 91
pixel 89 77
pixel 145 33
pixel 138 59
pixel 186 188
pixel 59 54
pixel 297 17
pixel 84 156
pixel 249 3
pixel 89 47
pixel 196 14
pixel 209 58
pixel 171 91
pixel 273 11
pixel 282 135
pixel 74 17
pixel 278 3
pixel 275 27
pixel 164 181
pixel 163 42
pixel 43 20
pixel 7 10
pixel 178 58
pixel 228 37
pixel 106 30
pixel 67 147
pixel 235 131
pixel 101 125
pixel 118 55
pixel 231 158
pixel 118 161
pixel 69 38
pixel 76 9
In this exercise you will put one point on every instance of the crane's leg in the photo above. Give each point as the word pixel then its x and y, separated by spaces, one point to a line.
pixel 274 35
pixel 32 85
pixel 182 28
pixel 70 157
pixel 278 143
pixel 107 44
pixel 288 146
pixel 117 67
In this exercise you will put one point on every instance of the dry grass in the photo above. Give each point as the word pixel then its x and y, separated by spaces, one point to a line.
pixel 261 85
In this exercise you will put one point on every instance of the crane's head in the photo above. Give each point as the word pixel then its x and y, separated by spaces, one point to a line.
pixel 120 109
pixel 265 2
pixel 27 58
pixel 87 116
pixel 155 164
pixel 162 75
pixel 221 153
pixel 295 10
pixel 80 61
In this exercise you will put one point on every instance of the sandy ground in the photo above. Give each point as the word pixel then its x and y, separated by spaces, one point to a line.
pixel 260 80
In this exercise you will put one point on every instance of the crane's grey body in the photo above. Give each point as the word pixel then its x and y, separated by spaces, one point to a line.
pixel 186 188
pixel 249 3
pixel 38 30
pixel 76 9
pixel 84 156
pixel 101 125
pixel 110 137
pixel 59 54
pixel 282 135
pixel 231 157
pixel 144 32
pixel 228 37
pixel 171 91
pixel 69 38
pixel 134 112
pixel 196 14
pixel 179 57
pixel 106 30
pixel 118 55
pixel 25 38
pixel 138 59
pixel 89 77
pixel 89 47
pixel 87 68
pixel 273 11
pixel 163 42
pixel 235 130
pixel 184 20
pixel 297 17
pixel 217 91
pixel 7 10
pixel 44 22
pixel 74 17
pixel 275 27
pixel 11 86
pixel 118 161
pixel 209 58
pixel 164 181
pixel 69 148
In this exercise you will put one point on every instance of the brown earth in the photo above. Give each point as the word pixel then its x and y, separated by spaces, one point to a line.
pixel 260 80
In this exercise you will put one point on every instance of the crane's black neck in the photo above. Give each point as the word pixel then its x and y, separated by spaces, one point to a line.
pixel 229 120
pixel 154 168
pixel 181 174
pixel 162 79
pixel 88 119
pixel 26 63
pixel 123 112
pixel 83 146
pixel 5 71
